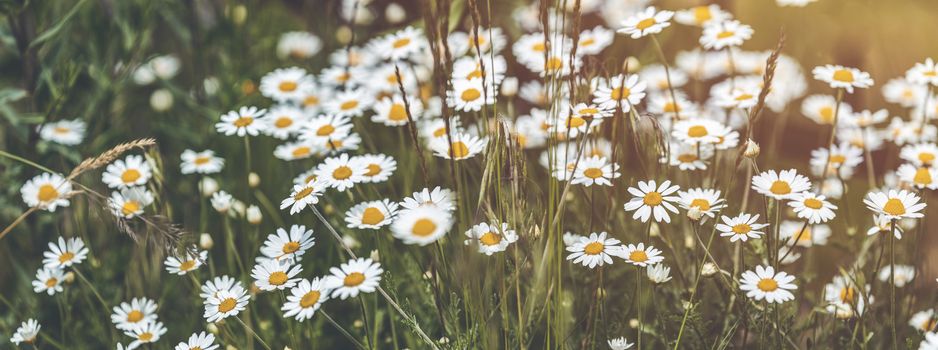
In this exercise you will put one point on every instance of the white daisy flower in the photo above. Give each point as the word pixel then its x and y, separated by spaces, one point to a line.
pixel 640 255
pixel 244 121
pixel 651 198
pixel 224 297
pixel 729 33
pixel 706 200
pixel 619 344
pixel 438 197
pixel 471 67
pixel 687 157
pixel 930 342
pixel 286 84
pixel 403 44
pixel 764 283
pixel 895 204
pixel 275 274
pixel 658 273
pixel 130 201
pixel 902 92
pixel 222 201
pixel 702 15
pixel 380 167
pixel 306 298
pixel 645 22
pixel 486 39
pixel 138 312
pixel 845 297
pixel 491 239
pixel 920 177
pixel 200 341
pixel 740 228
pixel 204 162
pixel 392 111
pixel 924 321
pixel 298 46
pixel 595 250
pixel 422 225
pixel 840 77
pixel 695 131
pixel 796 233
pixel 303 195
pixel 288 246
pixel 341 172
pixel 595 170
pixel 283 121
pixel 920 154
pixel 26 333
pixel 349 103
pixel 65 132
pixel 325 128
pixel 46 191
pixel 781 185
pixel 188 262
pixel 127 172
pixel 883 224
pixel 356 276
pixel 468 95
pixel 463 146
pixel 904 274
pixel 65 253
pixel 593 41
pixel 49 280
pixel 923 73
pixel 296 150
pixel 843 158
pixel 821 109
pixel 813 207
pixel 627 93
pixel 371 215
pixel 145 333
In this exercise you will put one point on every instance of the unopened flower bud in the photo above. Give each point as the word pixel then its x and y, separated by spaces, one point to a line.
pixel 205 241
pixel 161 100
pixel 694 213
pixel 394 13
pixel 654 230
pixel 752 149
pixel 69 277
pixel 708 269
pixel 209 186
pixel 254 215
pixel 375 255
pixel 631 65
pixel 253 180
pixel 509 87
pixel 689 242
pixel 211 328
pixel 634 323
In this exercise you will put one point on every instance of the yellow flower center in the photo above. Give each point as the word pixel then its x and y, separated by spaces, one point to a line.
pixel 780 187
pixel 372 216
pixel 588 111
pixel 490 238
pixel 310 101
pixel 539 47
pixel 922 177
pixel 645 23
pixel 575 122
pixel 697 131
pixel 201 160
pixel 397 113
pixel 301 151
pixel 458 149
pixel 687 157
pixel 894 207
pixel 476 73
pixel 303 193
pixel 51 282
pixel 827 114
pixel 243 122
pixel 587 42
pixel 702 14
pixel 767 285
pixel 283 122
pixel 423 227
pixel 470 94
pixel 187 265
pixel 553 64
pixel 227 305
pixel 277 278
pixel 134 316
pixel 291 247
pixel 593 173
pixel 342 173
pixel 353 279
pixel 725 34
pixel 620 93
pixel 741 229
pixel 653 198
pixel 66 257
pixel 348 105
pixel 47 193
pixel 130 207
pixel 373 169
pixel 309 299
pixel 594 248
pixel 145 337
pixel 929 324
pixel 813 203
pixel 399 43
pixel 848 294
pixel 843 75
pixel 701 204
pixel 638 256
pixel 837 159
pixel 325 130
pixel 287 86
pixel 130 175
pixel 926 158
pixel 61 130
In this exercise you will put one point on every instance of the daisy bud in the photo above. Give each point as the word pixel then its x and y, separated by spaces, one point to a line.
pixel 237 208
pixel 350 242
pixel 265 324
pixel 287 348
pixel 654 230
pixel 634 323
pixel 209 186
pixel 375 255
pixel 343 35
pixel 694 213
pixel 69 277
pixel 631 65
pixel 601 293
pixel 444 340
pixel 211 86
pixel 230 347
pixel 752 149
pixel 394 13
pixel 428 275
pixel 211 328
pixel 205 241
pixel 253 180
pixel 254 215
pixel 509 87
pixel 908 224
pixel 708 269
pixel 328 209
pixel 689 242
pixel 161 100
pixel 358 324
pixel 239 14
